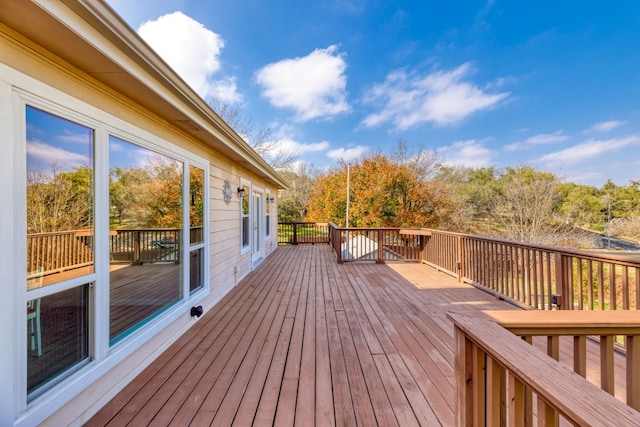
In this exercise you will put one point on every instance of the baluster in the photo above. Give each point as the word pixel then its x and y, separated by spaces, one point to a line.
pixel 607 362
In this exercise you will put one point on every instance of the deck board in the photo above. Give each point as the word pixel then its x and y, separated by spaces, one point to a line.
pixel 305 341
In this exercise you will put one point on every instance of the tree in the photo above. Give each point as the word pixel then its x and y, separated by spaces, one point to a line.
pixel 383 193
pixel 259 138
pixel 527 204
pixel 620 208
pixel 472 193
pixel 59 201
pixel 292 202
pixel 147 197
pixel 580 205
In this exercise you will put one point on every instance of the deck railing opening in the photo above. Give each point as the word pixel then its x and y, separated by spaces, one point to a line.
pixel 294 233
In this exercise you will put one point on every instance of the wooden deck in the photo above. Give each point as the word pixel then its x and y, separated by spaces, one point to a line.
pixel 305 341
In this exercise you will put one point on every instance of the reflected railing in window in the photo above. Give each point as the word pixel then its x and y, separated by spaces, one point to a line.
pixel 146 211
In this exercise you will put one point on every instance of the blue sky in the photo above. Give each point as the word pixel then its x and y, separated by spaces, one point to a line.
pixel 550 84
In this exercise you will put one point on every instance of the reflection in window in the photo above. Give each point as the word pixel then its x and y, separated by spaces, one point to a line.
pixel 245 216
pixel 145 198
pixel 196 208
pixel 267 222
pixel 196 226
pixel 196 271
pixel 59 199
pixel 57 337
pixel 59 217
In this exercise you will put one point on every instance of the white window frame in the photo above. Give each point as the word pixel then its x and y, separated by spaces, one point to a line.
pixel 267 224
pixel 187 247
pixel 244 249
pixel 102 358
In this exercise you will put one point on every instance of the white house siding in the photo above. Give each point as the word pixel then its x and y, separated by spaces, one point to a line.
pixel 29 68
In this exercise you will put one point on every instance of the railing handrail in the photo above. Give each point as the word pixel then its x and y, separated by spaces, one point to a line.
pixel 56 252
pixel 575 398
pixel 568 322
pixel 295 232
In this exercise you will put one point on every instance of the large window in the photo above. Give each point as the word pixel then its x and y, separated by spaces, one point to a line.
pixel 60 247
pixel 106 241
pixel 196 228
pixel 267 215
pixel 244 217
pixel 145 197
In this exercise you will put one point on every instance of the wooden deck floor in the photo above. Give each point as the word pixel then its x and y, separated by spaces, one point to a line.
pixel 304 341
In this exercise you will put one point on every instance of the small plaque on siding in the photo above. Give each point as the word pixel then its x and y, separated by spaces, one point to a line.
pixel 226 191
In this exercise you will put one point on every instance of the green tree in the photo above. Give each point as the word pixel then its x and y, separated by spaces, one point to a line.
pixel 527 205
pixel 472 192
pixel 293 201
pixel 147 197
pixel 59 201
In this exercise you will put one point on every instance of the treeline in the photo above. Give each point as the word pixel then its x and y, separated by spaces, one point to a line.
pixel 405 189
pixel 139 197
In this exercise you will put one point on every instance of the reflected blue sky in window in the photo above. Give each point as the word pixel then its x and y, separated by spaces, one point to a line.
pixel 52 140
pixel 125 154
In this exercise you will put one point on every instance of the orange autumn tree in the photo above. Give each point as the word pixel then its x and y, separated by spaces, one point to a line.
pixel 384 193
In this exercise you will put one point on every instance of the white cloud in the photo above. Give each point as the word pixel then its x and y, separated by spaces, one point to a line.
pixel 75 137
pixel 470 153
pixel 347 154
pixel 540 139
pixel 47 154
pixel 442 97
pixel 547 138
pixel 587 150
pixel 605 126
pixel 225 89
pixel 298 148
pixel 313 86
pixel 192 50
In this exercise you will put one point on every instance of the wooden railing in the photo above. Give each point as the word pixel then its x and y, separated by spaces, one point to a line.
pixel 51 253
pixel 377 244
pixel 537 276
pixel 531 276
pixel 145 245
pixel 502 380
pixel 294 233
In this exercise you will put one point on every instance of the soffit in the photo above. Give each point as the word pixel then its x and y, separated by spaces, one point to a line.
pixel 92 38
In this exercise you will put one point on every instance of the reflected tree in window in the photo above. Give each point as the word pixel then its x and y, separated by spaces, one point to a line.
pixel 245 216
pixel 146 210
pixel 59 218
pixel 196 225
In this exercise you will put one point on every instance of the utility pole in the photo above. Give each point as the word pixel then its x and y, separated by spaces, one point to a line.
pixel 348 192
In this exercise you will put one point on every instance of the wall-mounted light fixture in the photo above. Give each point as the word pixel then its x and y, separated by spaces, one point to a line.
pixel 270 200
pixel 241 192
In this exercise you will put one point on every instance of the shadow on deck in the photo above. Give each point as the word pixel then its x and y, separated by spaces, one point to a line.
pixel 305 341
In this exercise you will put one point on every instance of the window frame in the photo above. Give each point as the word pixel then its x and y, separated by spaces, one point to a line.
pixel 267 214
pixel 101 357
pixel 245 248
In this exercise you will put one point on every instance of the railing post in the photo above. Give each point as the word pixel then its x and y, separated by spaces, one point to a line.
pixel 295 234
pixel 136 247
pixel 461 259
pixel 380 259
pixel 337 244
pixel 633 371
pixel 563 288
pixel 463 379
